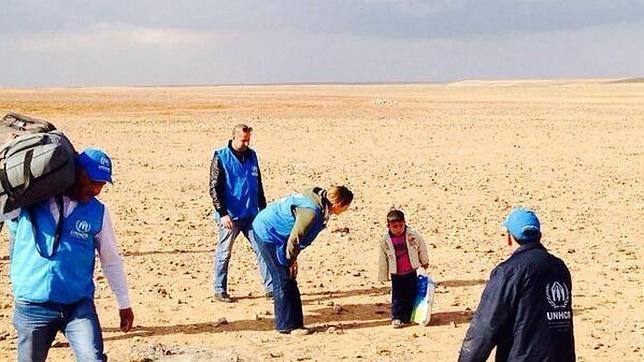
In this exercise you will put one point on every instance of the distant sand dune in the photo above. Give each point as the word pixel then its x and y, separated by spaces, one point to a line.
pixel 627 81
pixel 526 82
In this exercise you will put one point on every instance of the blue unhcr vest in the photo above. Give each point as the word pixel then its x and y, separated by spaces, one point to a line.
pixel 242 184
pixel 67 276
pixel 274 224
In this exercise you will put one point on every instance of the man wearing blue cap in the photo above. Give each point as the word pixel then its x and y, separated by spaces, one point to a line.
pixel 52 266
pixel 526 307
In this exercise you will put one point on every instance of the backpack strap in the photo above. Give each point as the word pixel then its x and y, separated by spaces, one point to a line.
pixel 4 181
pixel 27 176
pixel 59 228
pixel 26 170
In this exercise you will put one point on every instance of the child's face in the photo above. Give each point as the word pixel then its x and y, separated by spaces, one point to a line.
pixel 396 227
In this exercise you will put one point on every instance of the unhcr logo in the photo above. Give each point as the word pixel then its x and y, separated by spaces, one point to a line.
pixel 557 295
pixel 82 226
pixel 82 229
pixel 105 164
pixel 560 315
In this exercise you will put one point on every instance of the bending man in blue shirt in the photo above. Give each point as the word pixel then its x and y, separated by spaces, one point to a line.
pixel 281 231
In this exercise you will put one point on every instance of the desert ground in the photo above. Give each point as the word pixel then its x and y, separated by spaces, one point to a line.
pixel 455 157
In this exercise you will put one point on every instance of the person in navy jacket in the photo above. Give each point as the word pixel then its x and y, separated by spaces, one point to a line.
pixel 52 266
pixel 526 308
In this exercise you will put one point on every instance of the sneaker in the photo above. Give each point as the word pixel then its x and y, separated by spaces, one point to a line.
pixel 296 332
pixel 269 295
pixel 223 297
pixel 300 332
pixel 396 323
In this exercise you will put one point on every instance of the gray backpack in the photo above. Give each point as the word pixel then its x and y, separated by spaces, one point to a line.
pixel 35 167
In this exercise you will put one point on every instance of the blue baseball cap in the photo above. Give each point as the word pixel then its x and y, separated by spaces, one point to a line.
pixel 97 164
pixel 523 225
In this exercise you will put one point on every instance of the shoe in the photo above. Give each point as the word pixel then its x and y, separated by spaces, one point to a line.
pixel 300 332
pixel 223 297
pixel 296 332
pixel 269 295
pixel 396 323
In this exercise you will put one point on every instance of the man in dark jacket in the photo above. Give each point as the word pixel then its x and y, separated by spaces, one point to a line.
pixel 237 196
pixel 526 307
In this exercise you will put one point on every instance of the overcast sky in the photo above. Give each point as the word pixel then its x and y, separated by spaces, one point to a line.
pixel 154 42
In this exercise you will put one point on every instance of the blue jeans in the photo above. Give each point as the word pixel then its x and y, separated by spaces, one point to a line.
pixel 223 251
pixel 286 294
pixel 38 323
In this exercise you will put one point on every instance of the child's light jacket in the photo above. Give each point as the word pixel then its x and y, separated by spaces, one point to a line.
pixel 416 249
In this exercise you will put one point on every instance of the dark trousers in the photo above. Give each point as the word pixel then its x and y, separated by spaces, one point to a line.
pixel 403 292
pixel 286 294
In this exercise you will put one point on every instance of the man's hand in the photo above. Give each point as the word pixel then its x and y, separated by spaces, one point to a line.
pixel 292 270
pixel 127 319
pixel 227 222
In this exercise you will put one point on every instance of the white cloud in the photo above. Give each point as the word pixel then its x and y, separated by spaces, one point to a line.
pixel 422 8
pixel 107 35
pixel 332 40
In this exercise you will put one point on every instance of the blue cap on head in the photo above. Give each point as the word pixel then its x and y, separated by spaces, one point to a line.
pixel 97 164
pixel 523 225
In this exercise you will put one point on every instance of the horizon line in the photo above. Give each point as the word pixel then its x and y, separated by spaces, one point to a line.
pixel 609 80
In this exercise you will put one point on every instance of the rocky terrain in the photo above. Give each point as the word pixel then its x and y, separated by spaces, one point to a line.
pixel 455 157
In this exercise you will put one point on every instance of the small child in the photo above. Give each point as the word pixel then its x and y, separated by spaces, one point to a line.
pixel 402 250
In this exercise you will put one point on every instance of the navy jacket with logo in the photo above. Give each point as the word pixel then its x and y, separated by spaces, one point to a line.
pixel 525 311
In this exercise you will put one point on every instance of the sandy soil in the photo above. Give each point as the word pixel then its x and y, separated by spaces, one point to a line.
pixel 455 157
